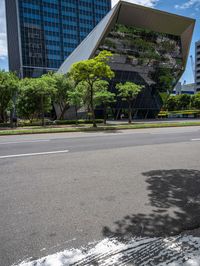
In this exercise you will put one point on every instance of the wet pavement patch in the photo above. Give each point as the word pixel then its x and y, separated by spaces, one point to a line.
pixel 181 250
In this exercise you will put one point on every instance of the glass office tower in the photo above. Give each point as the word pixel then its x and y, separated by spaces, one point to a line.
pixel 197 66
pixel 43 33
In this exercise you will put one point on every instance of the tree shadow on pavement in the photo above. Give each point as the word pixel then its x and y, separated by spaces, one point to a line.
pixel 175 198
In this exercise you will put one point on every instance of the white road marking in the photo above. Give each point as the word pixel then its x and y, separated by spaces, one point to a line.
pixel 26 141
pixel 195 139
pixel 33 154
pixel 172 132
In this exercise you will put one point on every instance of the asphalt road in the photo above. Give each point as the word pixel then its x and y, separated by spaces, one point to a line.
pixel 59 191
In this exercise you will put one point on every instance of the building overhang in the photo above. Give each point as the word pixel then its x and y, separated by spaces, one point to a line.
pixel 137 16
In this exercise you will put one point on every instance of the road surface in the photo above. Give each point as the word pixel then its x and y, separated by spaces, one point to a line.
pixel 62 191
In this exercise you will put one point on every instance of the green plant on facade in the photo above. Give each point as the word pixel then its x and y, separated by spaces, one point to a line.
pixel 159 51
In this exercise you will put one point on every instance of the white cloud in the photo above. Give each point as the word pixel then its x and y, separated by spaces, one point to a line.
pixel 149 3
pixel 3 40
pixel 188 4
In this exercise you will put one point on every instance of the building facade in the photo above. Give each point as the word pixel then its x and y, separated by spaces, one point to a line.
pixel 43 33
pixel 197 66
pixel 184 88
pixel 149 47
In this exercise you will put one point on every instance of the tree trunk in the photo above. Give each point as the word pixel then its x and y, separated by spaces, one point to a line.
pixel 2 118
pixel 11 119
pixel 118 112
pixel 129 113
pixel 92 106
pixel 93 117
pixel 61 117
pixel 42 108
pixel 105 114
pixel 76 110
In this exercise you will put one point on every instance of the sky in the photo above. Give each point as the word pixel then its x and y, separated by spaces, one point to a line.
pixel 189 8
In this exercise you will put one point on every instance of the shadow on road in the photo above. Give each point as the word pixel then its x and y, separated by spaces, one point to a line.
pixel 175 198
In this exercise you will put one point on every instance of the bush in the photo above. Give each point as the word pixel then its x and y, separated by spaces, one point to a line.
pixel 73 122
pixel 36 122
pixel 4 124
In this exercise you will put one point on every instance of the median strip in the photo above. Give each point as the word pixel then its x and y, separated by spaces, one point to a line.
pixel 32 154
pixel 98 129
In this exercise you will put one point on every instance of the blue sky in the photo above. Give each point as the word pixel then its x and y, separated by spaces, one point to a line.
pixel 190 8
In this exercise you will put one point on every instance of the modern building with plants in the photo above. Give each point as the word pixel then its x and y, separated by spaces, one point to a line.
pixel 149 47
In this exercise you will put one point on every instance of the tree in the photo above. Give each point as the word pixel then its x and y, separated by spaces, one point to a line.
pixel 88 72
pixel 75 98
pixel 103 96
pixel 164 96
pixel 9 84
pixel 36 96
pixel 45 88
pixel 27 102
pixel 183 101
pixel 195 101
pixel 128 92
pixel 63 84
pixel 171 104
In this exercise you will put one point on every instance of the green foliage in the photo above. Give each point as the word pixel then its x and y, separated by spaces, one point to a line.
pixel 179 113
pixel 93 69
pixel 9 84
pixel 123 29
pixel 171 104
pixel 75 97
pixel 183 101
pixel 87 73
pixel 128 92
pixel 178 102
pixel 195 101
pixel 73 122
pixel 109 43
pixel 63 85
pixel 164 96
pixel 135 31
pixel 103 96
pixel 35 97
pixel 164 79
pixel 27 103
pixel 168 46
pixel 143 45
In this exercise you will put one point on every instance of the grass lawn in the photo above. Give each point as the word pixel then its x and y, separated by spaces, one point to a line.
pixel 88 128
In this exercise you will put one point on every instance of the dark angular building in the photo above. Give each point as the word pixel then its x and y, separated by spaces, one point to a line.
pixel 149 47
pixel 43 33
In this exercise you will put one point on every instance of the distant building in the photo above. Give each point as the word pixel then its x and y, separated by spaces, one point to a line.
pixel 197 65
pixel 184 89
pixel 43 33
pixel 145 43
